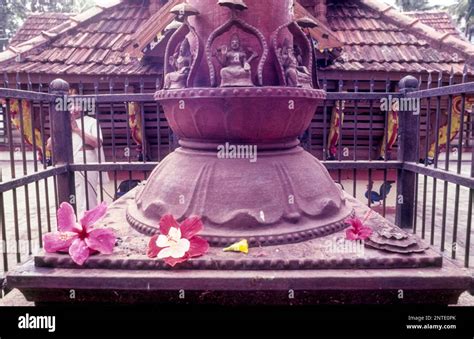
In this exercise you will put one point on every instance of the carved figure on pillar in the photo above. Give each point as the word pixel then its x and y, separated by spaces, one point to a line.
pixel 181 61
pixel 297 75
pixel 236 70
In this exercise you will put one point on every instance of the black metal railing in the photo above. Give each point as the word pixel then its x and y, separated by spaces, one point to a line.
pixel 366 150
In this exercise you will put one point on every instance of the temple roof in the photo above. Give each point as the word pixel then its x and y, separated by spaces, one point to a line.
pixel 439 20
pixel 93 42
pixel 377 37
pixel 112 39
pixel 36 23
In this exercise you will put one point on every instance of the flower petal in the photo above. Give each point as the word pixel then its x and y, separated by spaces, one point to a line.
pixel 58 241
pixel 356 223
pixel 153 249
pixel 79 251
pixel 101 240
pixel 365 232
pixel 179 250
pixel 197 247
pixel 351 234
pixel 173 261
pixel 166 222
pixel 241 246
pixel 162 241
pixel 165 253
pixel 174 234
pixel 67 218
pixel 92 216
pixel 191 226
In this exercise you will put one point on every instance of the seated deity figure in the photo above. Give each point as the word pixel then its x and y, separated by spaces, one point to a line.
pixel 236 70
pixel 181 61
pixel 296 74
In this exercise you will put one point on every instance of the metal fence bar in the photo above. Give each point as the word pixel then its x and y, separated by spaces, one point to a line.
pixel 417 156
pixel 129 149
pixel 371 140
pixel 385 157
pixel 158 131
pixel 119 98
pixel 370 96
pixel 52 145
pixel 45 160
pixel 84 159
pixel 99 140
pixel 440 174
pixel 25 172
pixel 13 176
pixel 26 95
pixel 354 137
pixel 469 225
pixel 62 144
pixel 341 136
pixel 435 159
pixel 112 121
pixel 144 146
pixel 31 178
pixel 149 166
pixel 427 142
pixel 469 210
pixel 407 151
pixel 325 124
pixel 3 228
pixel 143 97
pixel 448 151
pixel 458 170
pixel 35 169
pixel 440 90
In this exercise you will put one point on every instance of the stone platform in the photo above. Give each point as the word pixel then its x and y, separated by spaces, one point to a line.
pixel 309 272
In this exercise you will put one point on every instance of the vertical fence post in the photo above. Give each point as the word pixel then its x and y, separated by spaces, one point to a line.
pixel 61 134
pixel 407 152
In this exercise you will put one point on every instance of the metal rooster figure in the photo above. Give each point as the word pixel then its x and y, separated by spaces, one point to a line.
pixel 379 197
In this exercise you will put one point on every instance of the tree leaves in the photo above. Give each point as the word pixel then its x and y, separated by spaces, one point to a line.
pixel 413 5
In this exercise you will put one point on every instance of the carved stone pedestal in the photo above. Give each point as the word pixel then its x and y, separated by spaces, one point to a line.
pixel 312 271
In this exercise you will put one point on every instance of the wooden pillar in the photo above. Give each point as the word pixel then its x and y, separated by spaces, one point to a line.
pixel 62 141
pixel 407 152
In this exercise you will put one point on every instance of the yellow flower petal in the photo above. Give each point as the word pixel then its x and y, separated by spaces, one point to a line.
pixel 241 246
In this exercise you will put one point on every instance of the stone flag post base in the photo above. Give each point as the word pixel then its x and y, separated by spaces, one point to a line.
pixel 315 271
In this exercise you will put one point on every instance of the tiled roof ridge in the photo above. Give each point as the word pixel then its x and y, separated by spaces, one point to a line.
pixel 420 29
pixel 322 25
pixel 440 20
pixel 428 11
pixel 36 22
pixel 42 14
pixel 47 36
pixel 148 30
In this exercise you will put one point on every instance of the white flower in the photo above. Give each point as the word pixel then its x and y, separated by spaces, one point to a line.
pixel 173 245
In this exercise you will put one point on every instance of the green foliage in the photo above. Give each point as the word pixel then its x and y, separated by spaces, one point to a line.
pixel 413 5
pixel 463 12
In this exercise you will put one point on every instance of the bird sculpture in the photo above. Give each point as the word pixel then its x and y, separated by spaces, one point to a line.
pixel 381 195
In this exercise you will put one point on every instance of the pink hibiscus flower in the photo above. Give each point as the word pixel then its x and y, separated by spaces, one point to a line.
pixel 357 231
pixel 80 240
pixel 177 243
